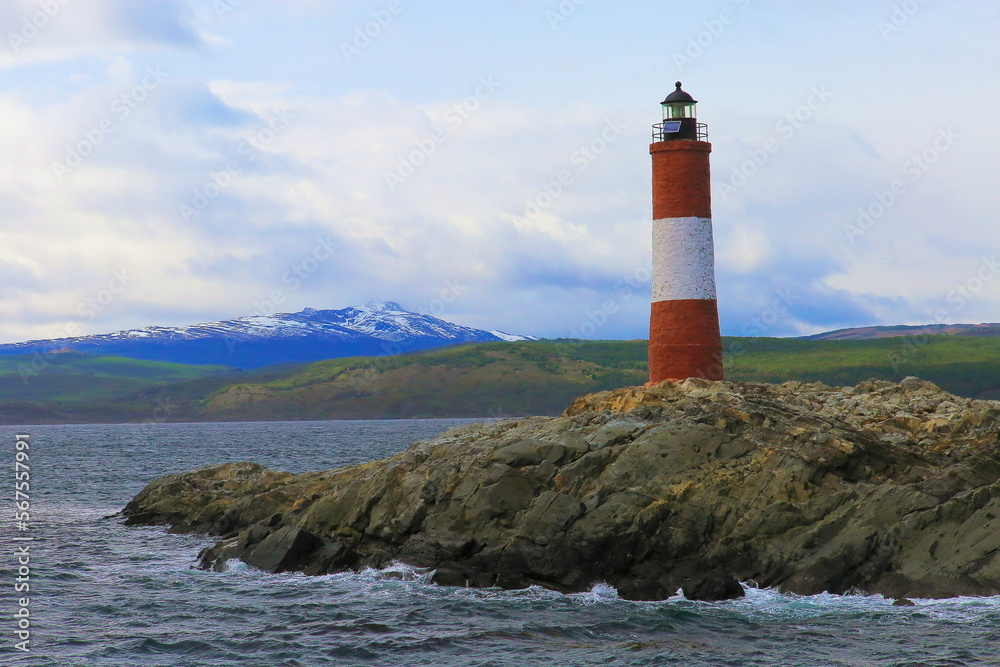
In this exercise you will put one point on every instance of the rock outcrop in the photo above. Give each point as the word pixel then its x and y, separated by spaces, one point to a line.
pixel 887 488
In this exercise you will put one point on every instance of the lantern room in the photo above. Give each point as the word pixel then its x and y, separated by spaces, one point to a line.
pixel 680 119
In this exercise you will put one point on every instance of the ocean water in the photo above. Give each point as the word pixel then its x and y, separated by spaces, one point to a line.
pixel 105 595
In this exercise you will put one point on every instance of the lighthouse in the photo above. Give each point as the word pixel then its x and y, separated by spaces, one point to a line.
pixel 684 338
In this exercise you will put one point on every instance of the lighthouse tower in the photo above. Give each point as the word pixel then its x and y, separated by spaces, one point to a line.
pixel 684 338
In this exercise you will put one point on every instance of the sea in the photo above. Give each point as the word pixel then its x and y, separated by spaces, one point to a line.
pixel 104 595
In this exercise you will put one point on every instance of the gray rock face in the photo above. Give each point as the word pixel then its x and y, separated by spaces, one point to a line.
pixel 287 548
pixel 714 587
pixel 888 488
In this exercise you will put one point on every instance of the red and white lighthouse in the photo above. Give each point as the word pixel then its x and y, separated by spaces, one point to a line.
pixel 684 338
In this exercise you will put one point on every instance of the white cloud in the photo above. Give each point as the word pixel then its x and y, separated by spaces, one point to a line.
pixel 541 216
pixel 54 30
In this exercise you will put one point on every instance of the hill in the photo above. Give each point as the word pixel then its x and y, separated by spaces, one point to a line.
pixel 965 365
pixel 543 377
pixel 493 379
pixel 480 380
pixel 71 387
pixel 864 333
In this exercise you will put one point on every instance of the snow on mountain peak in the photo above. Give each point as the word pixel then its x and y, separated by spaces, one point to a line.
pixel 378 306
pixel 251 341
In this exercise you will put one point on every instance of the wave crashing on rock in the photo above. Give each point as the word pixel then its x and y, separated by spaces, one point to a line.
pixel 882 487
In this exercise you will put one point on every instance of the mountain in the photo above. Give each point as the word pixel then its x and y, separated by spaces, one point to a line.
pixel 378 328
pixel 986 330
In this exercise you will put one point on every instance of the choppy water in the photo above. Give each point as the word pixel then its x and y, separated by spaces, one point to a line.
pixel 106 595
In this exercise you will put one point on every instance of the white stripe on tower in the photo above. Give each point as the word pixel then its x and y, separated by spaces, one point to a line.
pixel 684 252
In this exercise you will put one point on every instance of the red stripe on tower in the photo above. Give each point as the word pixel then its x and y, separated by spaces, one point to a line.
pixel 684 337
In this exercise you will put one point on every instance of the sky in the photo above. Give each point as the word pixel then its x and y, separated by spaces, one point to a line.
pixel 182 161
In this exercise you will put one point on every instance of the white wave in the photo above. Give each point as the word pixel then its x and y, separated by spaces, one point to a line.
pixel 233 565
pixel 771 603
pixel 762 604
pixel 397 571
pixel 599 593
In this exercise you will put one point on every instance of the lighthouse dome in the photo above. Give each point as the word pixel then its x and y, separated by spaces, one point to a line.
pixel 678 96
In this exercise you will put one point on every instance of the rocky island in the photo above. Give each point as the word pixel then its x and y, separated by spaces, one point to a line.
pixel 882 487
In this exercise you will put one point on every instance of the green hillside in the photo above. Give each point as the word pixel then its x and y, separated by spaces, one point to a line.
pixel 484 380
pixel 542 377
pixel 72 386
pixel 490 379
pixel 964 365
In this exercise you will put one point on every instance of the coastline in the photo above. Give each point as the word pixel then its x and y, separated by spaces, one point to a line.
pixel 883 487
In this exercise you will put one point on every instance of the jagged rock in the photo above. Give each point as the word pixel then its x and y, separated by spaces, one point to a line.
pixel 211 499
pixel 714 587
pixel 888 488
pixel 519 453
pixel 287 548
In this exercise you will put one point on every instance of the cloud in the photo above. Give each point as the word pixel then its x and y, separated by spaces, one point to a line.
pixel 241 180
pixel 57 30
pixel 234 197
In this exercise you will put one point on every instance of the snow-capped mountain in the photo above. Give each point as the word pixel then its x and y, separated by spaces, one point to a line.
pixel 376 328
